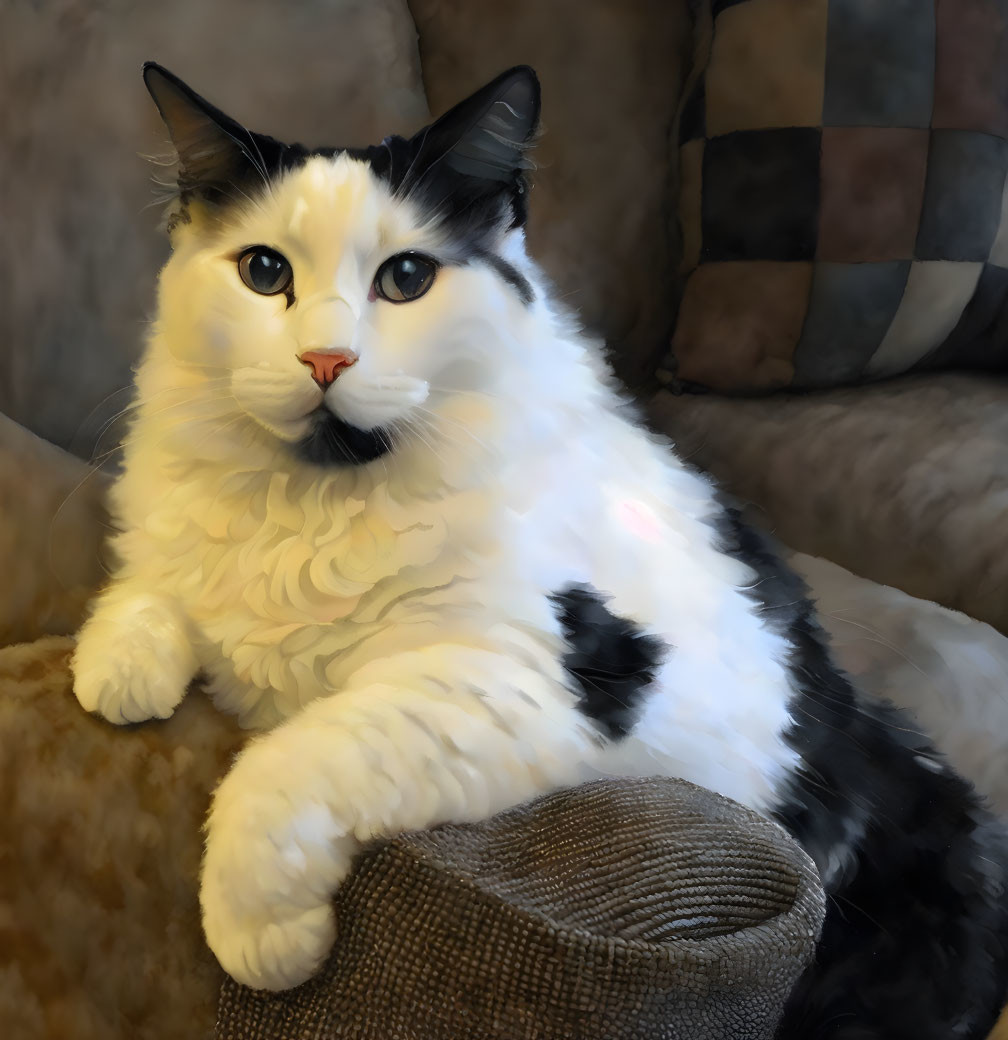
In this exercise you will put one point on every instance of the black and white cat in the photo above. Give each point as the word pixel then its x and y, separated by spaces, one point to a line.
pixel 382 492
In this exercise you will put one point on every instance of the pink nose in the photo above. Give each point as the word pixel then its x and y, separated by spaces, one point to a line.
pixel 326 365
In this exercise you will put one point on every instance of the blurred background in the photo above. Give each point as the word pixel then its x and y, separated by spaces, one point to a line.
pixel 77 202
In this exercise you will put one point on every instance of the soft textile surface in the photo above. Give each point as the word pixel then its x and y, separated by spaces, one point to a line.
pixel 844 199
pixel 51 525
pixel 99 853
pixel 76 196
pixel 619 910
pixel 905 482
pixel 611 74
pixel 947 670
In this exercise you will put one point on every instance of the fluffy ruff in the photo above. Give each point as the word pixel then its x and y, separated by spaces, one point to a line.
pixel 433 636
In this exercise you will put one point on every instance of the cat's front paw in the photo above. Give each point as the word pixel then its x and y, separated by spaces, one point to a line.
pixel 269 874
pixel 273 954
pixel 133 664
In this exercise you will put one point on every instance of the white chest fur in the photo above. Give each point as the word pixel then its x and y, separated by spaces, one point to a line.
pixel 293 578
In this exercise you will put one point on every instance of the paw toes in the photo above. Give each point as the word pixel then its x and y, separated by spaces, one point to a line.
pixel 277 955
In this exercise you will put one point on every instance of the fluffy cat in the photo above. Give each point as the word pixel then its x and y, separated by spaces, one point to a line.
pixel 382 493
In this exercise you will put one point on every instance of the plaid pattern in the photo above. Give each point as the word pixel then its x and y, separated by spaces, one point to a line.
pixel 843 201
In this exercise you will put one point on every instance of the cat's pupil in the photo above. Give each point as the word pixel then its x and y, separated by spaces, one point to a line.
pixel 268 266
pixel 404 277
pixel 407 276
pixel 265 271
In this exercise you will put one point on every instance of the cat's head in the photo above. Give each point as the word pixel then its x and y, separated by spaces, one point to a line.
pixel 335 294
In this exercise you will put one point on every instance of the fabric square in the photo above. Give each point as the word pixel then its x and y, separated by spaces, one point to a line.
pixel 880 57
pixel 739 324
pixel 693 118
pixel 962 197
pixel 872 185
pixel 690 189
pixel 851 309
pixel 999 248
pixel 971 70
pixel 766 68
pixel 717 6
pixel 934 300
pixel 854 243
pixel 980 337
pixel 761 195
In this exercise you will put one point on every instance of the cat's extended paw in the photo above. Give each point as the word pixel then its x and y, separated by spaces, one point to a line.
pixel 131 666
pixel 269 874
pixel 270 954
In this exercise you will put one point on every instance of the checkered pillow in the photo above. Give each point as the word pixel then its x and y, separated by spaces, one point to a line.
pixel 843 202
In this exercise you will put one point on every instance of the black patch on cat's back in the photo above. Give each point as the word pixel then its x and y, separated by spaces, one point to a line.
pixel 333 442
pixel 611 660
pixel 915 940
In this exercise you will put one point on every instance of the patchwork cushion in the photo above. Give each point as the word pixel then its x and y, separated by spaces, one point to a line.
pixel 843 202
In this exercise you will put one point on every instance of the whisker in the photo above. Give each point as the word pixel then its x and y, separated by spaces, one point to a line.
pixel 432 418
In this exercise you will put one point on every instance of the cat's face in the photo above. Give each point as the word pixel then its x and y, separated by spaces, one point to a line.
pixel 337 297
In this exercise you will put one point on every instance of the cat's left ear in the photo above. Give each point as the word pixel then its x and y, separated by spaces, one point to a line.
pixel 481 145
pixel 216 154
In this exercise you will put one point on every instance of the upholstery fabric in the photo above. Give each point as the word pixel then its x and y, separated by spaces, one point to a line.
pixel 621 909
pixel 944 669
pixel 844 205
pixel 52 522
pixel 904 482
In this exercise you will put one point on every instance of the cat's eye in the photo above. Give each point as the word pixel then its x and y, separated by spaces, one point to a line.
pixel 404 277
pixel 265 271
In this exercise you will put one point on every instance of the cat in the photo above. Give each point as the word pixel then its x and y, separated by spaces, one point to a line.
pixel 381 491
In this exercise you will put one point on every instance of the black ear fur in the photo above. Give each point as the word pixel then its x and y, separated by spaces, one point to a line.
pixel 216 155
pixel 477 151
pixel 468 166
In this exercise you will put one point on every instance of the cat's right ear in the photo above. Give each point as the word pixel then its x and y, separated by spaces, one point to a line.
pixel 216 155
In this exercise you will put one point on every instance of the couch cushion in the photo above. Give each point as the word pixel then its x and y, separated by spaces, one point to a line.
pixel 622 909
pixel 945 669
pixel 904 482
pixel 844 202
pixel 52 521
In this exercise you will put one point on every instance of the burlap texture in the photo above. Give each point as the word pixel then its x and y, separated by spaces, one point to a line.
pixel 623 909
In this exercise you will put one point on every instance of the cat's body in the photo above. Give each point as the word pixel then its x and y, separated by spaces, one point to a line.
pixel 459 574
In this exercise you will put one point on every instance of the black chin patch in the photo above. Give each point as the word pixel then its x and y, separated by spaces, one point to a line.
pixel 610 660
pixel 333 442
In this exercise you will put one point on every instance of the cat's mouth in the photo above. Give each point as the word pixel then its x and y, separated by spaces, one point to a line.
pixel 332 441
pixel 350 425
